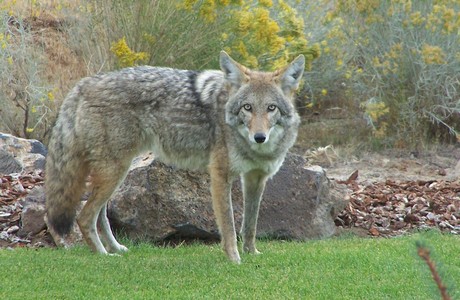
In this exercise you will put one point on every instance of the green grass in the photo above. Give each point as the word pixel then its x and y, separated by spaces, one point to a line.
pixel 339 268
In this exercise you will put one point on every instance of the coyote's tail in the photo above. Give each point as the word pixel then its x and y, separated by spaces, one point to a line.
pixel 66 171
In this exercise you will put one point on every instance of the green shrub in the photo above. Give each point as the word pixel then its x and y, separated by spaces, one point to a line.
pixel 160 31
pixel 402 61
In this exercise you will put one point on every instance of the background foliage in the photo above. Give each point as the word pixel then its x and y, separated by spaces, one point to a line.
pixel 390 68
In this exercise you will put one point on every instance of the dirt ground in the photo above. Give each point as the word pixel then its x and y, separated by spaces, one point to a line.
pixel 442 163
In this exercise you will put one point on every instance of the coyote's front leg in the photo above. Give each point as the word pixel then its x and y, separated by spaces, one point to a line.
pixel 253 187
pixel 221 183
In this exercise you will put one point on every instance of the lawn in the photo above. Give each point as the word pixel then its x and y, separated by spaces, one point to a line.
pixel 339 268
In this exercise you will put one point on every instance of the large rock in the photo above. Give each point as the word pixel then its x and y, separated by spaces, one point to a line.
pixel 158 202
pixel 9 164
pixel 20 155
pixel 33 213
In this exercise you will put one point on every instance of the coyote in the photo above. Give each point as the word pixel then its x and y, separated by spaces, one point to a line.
pixel 230 122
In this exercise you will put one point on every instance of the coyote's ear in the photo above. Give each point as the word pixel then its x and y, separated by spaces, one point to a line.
pixel 233 71
pixel 292 75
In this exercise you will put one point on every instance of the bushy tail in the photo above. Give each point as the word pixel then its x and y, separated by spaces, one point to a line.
pixel 66 172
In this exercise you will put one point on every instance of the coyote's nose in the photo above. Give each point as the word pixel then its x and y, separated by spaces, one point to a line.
pixel 260 137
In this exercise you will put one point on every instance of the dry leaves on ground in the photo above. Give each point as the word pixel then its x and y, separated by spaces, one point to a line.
pixel 13 188
pixel 395 207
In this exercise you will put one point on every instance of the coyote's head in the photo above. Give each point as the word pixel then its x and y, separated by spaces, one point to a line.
pixel 260 104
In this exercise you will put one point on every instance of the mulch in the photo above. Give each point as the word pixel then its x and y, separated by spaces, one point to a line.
pixel 396 207
pixel 13 189
pixel 382 209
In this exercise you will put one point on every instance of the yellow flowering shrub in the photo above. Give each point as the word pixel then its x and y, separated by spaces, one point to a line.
pixel 262 34
pixel 432 54
pixel 375 112
pixel 125 56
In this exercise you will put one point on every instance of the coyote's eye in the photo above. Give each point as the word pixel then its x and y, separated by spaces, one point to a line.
pixel 271 107
pixel 247 107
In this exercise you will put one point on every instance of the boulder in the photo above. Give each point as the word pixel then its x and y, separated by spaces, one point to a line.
pixel 9 164
pixel 20 155
pixel 159 202
pixel 33 213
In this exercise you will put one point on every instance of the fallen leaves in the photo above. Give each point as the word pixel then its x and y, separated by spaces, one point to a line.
pixel 394 207
pixel 13 188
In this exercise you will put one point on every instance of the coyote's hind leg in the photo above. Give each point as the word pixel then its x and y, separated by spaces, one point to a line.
pixel 104 180
pixel 106 235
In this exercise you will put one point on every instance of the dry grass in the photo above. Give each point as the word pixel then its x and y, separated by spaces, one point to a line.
pixel 41 65
pixel 318 131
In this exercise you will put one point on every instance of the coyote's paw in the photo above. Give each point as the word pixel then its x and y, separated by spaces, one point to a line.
pixel 256 252
pixel 234 256
pixel 123 249
pixel 236 259
pixel 251 250
pixel 118 248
